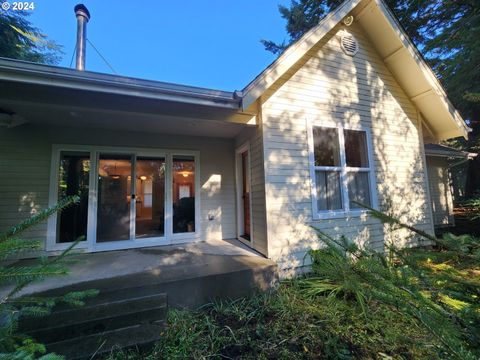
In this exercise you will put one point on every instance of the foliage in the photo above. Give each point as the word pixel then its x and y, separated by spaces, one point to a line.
pixel 438 289
pixel 474 205
pixel 14 278
pixel 287 324
pixel 21 40
pixel 411 303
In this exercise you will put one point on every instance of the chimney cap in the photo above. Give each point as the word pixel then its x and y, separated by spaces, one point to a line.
pixel 81 10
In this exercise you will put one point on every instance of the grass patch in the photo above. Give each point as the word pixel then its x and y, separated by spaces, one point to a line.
pixel 294 322
pixel 413 303
pixel 287 324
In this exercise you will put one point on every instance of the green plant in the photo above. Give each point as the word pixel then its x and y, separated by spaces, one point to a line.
pixel 474 205
pixel 15 277
pixel 426 285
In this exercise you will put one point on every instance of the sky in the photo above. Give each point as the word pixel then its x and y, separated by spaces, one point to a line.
pixel 209 43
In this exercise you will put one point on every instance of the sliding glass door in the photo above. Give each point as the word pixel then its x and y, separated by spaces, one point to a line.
pixel 114 197
pixel 130 198
pixel 149 197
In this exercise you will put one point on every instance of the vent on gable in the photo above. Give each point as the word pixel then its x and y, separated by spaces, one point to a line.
pixel 349 44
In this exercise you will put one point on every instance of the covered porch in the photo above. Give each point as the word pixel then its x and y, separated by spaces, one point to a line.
pixel 153 163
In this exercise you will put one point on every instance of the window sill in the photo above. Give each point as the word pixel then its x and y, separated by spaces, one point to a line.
pixel 339 214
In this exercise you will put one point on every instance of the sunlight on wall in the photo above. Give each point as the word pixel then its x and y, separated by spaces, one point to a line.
pixel 212 186
pixel 211 190
pixel 28 204
pixel 334 88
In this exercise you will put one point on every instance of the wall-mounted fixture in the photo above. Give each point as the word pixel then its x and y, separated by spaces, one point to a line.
pixel 348 20
pixel 9 119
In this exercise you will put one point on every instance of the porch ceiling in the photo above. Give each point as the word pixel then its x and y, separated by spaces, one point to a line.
pixel 57 105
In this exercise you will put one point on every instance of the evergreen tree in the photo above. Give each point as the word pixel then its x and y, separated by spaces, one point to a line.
pixel 446 32
pixel 19 39
pixel 16 276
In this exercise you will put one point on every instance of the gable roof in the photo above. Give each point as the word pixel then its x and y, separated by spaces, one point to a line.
pixel 396 50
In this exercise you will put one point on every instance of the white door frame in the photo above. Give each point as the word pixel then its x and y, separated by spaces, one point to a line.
pixel 90 244
pixel 239 192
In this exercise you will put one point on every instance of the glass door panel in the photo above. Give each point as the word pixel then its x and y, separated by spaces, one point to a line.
pixel 114 197
pixel 183 195
pixel 74 173
pixel 149 197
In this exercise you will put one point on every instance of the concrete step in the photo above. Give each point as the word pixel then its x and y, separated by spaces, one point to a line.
pixel 186 286
pixel 87 346
pixel 79 332
pixel 130 309
pixel 58 332
pixel 130 304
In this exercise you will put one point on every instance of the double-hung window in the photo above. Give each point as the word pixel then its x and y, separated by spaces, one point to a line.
pixel 341 171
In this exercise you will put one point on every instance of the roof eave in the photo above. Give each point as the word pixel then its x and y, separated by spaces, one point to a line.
pixel 461 127
pixel 40 74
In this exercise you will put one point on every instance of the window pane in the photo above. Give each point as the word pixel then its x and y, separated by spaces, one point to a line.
pixel 183 194
pixel 150 197
pixel 358 189
pixel 326 147
pixel 114 196
pixel 356 148
pixel 329 195
pixel 73 179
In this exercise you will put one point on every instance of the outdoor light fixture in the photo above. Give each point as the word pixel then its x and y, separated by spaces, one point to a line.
pixel 10 119
pixel 348 20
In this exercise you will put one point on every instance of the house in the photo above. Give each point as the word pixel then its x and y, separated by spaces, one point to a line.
pixel 341 116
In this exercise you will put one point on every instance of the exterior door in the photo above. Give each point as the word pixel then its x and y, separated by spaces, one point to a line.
pixel 130 197
pixel 115 199
pixel 245 196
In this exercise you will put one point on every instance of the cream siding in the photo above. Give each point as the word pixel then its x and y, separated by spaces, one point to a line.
pixel 329 86
pixel 440 190
pixel 25 156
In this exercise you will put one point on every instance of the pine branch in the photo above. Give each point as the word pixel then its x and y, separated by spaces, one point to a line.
pixel 45 265
pixel 43 215
pixel 14 246
pixel 388 219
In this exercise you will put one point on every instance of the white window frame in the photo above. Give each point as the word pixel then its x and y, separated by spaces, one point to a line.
pixel 90 244
pixel 343 169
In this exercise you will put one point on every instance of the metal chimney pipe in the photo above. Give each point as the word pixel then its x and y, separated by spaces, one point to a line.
pixel 83 15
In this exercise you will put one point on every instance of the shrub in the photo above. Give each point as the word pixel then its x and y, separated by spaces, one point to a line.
pixel 433 287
